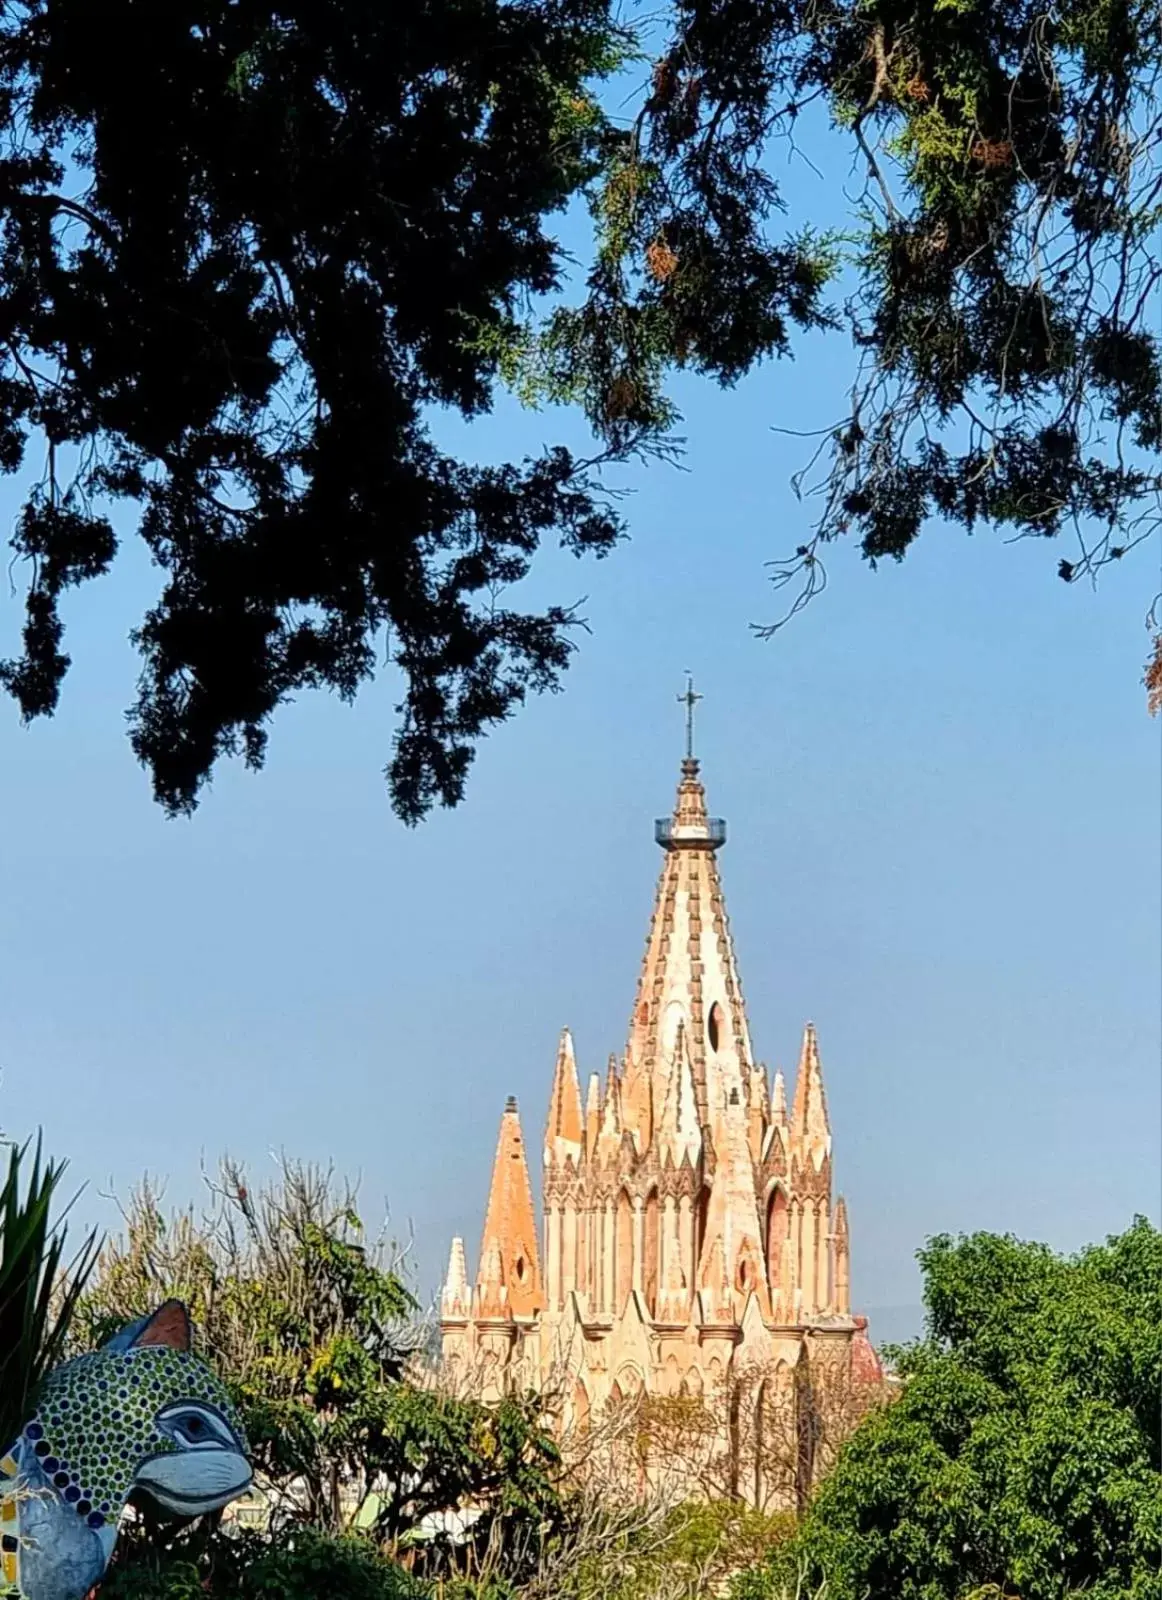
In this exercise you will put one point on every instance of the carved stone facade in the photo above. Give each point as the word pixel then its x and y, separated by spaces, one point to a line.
pixel 689 1232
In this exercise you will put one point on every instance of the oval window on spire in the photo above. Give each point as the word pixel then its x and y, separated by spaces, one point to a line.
pixel 714 1025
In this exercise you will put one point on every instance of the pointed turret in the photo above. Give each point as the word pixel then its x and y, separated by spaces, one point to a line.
pixel 491 1298
pixel 689 976
pixel 609 1134
pixel 509 1280
pixel 637 1103
pixel 674 1294
pixel 592 1114
pixel 566 1127
pixel 456 1297
pixel 678 1131
pixel 758 1111
pixel 842 1260
pixel 776 1139
pixel 779 1099
pixel 810 1129
pixel 731 1265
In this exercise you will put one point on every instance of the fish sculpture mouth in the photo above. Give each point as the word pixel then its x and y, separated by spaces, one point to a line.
pixel 190 1485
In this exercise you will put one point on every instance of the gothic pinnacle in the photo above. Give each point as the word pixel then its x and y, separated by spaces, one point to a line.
pixel 456 1297
pixel 810 1129
pixel 592 1112
pixel 566 1125
pixel 509 1279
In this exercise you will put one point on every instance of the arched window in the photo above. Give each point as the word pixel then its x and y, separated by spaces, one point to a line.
pixel 624 1254
pixel 776 1233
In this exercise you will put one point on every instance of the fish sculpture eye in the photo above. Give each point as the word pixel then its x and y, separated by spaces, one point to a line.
pixel 142 1414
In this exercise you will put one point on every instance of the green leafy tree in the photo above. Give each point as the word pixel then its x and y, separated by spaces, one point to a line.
pixel 615 1551
pixel 314 1329
pixel 1022 1455
pixel 307 1565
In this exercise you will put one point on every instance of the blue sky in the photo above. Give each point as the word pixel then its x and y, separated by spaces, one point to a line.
pixel 943 797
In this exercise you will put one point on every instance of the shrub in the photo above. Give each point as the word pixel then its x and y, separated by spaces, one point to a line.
pixel 298 1564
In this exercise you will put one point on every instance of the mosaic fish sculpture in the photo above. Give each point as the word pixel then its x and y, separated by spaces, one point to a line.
pixel 140 1414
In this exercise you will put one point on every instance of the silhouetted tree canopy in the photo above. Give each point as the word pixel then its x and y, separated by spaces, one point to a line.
pixel 246 248
pixel 249 250
pixel 1003 264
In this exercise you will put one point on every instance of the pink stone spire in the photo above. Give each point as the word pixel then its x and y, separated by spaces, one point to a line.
pixel 456 1297
pixel 689 976
pixel 810 1128
pixel 509 1280
pixel 566 1125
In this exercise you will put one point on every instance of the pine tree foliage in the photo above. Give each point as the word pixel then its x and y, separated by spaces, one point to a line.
pixel 245 250
pixel 1005 256
pixel 248 252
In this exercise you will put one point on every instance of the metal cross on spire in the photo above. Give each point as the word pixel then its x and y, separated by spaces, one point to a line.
pixel 690 699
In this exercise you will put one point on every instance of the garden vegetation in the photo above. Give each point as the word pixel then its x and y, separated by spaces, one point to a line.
pixel 1019 1455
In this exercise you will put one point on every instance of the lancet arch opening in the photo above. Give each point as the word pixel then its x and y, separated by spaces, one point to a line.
pixel 777 1223
pixel 651 1247
pixel 623 1251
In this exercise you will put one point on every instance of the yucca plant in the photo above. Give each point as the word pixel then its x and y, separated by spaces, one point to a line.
pixel 37 1301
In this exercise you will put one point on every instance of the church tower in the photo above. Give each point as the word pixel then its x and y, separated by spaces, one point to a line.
pixel 689 1231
